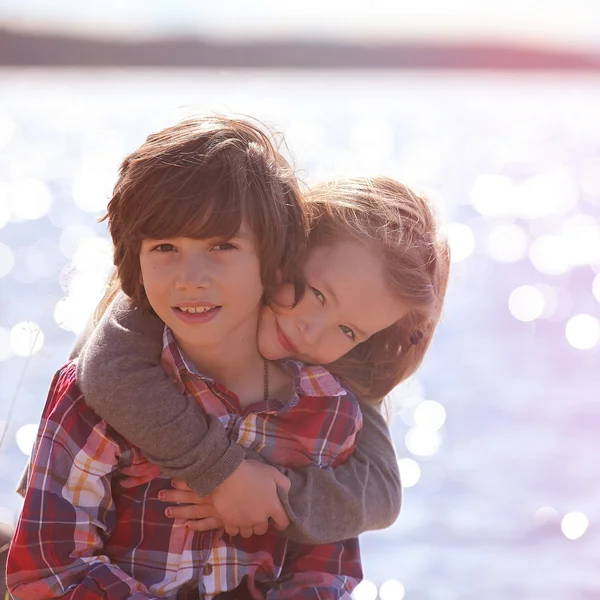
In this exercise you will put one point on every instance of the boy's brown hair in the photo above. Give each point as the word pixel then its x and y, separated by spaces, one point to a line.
pixel 399 225
pixel 200 179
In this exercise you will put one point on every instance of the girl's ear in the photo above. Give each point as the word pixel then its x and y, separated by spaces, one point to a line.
pixel 279 277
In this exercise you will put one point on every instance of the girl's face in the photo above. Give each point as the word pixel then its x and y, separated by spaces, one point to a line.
pixel 346 301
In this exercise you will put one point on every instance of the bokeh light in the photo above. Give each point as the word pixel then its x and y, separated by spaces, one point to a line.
pixel 548 254
pixel 26 338
pixel 30 199
pixel 545 515
pixel 5 212
pixel 6 351
pixel 493 195
pixel 507 243
pixel 25 438
pixel 422 441
pixel 72 236
pixel 7 260
pixel 430 414
pixel 391 590
pixel 574 525
pixel 526 303
pixel 410 472
pixel 461 241
pixel 596 287
pixel 583 331
pixel 365 590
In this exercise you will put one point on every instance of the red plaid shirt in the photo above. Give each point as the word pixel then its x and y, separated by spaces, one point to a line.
pixel 82 536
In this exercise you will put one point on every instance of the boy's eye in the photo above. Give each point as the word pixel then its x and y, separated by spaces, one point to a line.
pixel 348 332
pixel 318 295
pixel 164 248
pixel 225 246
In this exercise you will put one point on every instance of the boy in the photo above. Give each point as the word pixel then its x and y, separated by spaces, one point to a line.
pixel 204 217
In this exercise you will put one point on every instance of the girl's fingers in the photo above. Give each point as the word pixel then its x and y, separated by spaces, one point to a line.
pixel 180 485
pixel 246 532
pixel 190 511
pixel 204 524
pixel 182 497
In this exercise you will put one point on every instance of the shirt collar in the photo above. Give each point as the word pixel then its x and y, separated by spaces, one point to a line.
pixel 309 380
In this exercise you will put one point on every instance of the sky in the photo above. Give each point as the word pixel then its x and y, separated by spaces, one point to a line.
pixel 560 23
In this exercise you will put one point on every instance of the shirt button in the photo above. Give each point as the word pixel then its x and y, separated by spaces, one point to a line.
pixel 208 569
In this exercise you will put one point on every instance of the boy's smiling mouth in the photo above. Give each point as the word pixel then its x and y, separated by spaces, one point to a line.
pixel 196 312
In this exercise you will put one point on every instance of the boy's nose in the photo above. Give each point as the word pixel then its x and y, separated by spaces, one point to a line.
pixel 193 274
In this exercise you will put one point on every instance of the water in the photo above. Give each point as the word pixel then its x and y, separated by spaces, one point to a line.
pixel 519 397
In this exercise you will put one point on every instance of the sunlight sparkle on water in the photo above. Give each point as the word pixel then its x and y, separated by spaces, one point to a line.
pixel 461 240
pixel 92 190
pixel 5 212
pixel 30 199
pixel 574 525
pixel 493 195
pixel 596 287
pixel 73 236
pixel 548 254
pixel 25 438
pixel 526 303
pixel 26 338
pixel 430 414
pixel 7 260
pixel 548 193
pixel 372 140
pixel 507 243
pixel 581 236
pixel 583 331
pixel 6 350
pixel 365 590
pixel 545 515
pixel 391 590
pixel 410 472
pixel 422 441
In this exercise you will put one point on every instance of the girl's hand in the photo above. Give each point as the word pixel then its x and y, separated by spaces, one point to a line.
pixel 248 498
pixel 198 512
pixel 242 504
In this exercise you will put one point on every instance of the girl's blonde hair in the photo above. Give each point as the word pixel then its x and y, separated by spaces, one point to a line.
pixel 399 225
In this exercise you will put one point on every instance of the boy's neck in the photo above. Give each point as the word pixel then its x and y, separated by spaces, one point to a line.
pixel 235 364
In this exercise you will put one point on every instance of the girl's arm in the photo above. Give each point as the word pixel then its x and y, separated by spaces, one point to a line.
pixel 328 505
pixel 120 374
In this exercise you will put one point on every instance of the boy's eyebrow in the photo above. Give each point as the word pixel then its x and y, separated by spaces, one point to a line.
pixel 331 293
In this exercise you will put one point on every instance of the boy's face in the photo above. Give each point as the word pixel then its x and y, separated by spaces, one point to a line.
pixel 207 291
pixel 345 302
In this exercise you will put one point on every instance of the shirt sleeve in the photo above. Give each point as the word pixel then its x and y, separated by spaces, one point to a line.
pixel 325 572
pixel 363 494
pixel 122 379
pixel 68 510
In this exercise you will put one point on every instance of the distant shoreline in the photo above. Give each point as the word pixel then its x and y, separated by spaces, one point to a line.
pixel 19 48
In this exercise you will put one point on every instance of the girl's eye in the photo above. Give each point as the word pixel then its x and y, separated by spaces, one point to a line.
pixel 348 332
pixel 164 248
pixel 225 247
pixel 318 295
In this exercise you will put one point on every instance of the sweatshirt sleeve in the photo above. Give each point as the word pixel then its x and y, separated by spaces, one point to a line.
pixel 328 505
pixel 120 375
